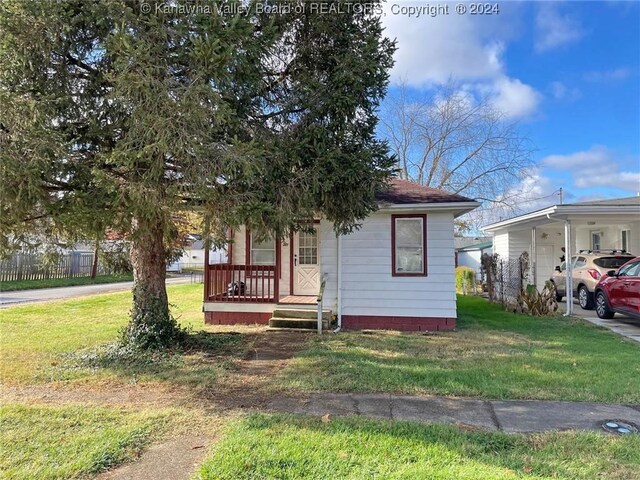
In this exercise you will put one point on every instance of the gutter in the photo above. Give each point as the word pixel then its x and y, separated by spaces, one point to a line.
pixel 565 210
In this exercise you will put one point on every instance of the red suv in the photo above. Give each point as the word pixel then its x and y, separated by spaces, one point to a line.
pixel 619 291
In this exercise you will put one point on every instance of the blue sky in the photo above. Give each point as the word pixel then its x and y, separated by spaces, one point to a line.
pixel 568 72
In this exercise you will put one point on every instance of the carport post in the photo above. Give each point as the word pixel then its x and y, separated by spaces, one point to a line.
pixel 534 252
pixel 569 269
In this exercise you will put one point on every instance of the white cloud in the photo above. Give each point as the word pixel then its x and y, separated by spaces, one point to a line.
pixel 596 167
pixel 465 48
pixel 514 98
pixel 564 93
pixel 608 76
pixel 554 29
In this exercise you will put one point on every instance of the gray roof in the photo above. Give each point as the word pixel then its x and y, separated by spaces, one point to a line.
pixel 614 202
pixel 477 246
pixel 464 242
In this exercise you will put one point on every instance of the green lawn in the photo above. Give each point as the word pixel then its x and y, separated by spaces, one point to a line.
pixel 61 282
pixel 494 354
pixel 291 447
pixel 36 339
pixel 65 442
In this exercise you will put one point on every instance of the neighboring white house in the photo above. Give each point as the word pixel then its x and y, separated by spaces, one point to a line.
pixel 595 225
pixel 395 272
pixel 470 251
pixel 193 255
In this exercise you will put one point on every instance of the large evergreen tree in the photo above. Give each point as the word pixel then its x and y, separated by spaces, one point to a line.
pixel 116 114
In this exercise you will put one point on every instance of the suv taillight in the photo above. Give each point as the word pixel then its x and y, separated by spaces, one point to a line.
pixel 595 274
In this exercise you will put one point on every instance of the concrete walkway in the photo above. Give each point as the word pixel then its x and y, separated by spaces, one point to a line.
pixel 620 324
pixel 24 297
pixel 513 416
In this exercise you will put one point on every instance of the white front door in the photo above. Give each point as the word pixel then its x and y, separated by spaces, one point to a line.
pixel 306 265
pixel 545 264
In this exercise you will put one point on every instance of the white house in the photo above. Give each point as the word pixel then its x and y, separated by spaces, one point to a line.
pixel 193 255
pixel 469 252
pixel 563 230
pixel 395 272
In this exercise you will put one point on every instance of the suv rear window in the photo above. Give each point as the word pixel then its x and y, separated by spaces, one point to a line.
pixel 611 262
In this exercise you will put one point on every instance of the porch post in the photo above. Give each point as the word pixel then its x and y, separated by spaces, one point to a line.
pixel 534 256
pixel 569 269
pixel 207 245
pixel 276 274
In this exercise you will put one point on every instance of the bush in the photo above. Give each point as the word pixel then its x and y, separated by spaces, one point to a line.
pixel 465 280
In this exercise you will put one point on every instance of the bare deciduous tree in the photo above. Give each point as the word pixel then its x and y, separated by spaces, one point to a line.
pixel 457 142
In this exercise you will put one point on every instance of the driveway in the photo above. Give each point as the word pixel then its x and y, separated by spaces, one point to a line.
pixel 620 324
pixel 44 294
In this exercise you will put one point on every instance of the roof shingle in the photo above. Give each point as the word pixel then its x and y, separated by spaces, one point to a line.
pixel 404 191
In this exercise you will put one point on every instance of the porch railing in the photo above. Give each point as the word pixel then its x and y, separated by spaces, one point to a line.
pixel 241 283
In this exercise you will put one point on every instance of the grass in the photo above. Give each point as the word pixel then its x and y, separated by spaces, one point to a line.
pixel 494 354
pixel 56 442
pixel 292 447
pixel 61 282
pixel 41 342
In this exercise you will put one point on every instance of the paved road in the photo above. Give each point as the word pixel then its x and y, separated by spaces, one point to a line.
pixel 620 324
pixel 44 294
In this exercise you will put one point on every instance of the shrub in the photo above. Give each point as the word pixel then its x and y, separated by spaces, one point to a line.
pixel 465 280
pixel 539 303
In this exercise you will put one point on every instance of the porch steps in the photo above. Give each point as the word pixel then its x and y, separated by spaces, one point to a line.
pixel 299 318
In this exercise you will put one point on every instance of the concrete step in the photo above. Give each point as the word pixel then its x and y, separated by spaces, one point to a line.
pixel 303 313
pixel 298 323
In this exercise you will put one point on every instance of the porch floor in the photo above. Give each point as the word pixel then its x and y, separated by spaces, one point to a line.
pixel 298 300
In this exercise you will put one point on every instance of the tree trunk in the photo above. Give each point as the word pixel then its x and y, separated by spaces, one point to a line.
pixel 151 325
pixel 94 267
pixel 148 261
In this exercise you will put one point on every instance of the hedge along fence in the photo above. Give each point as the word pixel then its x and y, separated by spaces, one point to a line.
pixel 32 267
pixel 465 280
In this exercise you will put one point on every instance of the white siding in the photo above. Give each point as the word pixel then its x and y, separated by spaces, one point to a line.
pixel 470 259
pixel 368 288
pixel 239 246
pixel 519 242
pixel 501 244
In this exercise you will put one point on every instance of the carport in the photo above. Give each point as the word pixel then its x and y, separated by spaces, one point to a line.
pixel 548 233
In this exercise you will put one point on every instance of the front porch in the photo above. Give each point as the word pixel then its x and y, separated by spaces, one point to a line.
pixel 250 294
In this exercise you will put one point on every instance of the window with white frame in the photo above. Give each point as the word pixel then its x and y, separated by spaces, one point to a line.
pixel 263 252
pixel 596 240
pixel 408 245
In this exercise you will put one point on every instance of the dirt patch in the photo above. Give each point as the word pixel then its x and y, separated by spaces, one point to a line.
pixel 249 385
pixel 252 385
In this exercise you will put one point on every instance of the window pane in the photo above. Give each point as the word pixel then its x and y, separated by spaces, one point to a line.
pixel 263 257
pixel 266 244
pixel 409 260
pixel 263 252
pixel 409 231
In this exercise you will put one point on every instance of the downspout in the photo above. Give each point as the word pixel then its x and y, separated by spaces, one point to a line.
pixel 567 259
pixel 339 283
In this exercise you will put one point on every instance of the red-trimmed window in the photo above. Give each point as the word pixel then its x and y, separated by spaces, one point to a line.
pixel 263 252
pixel 408 245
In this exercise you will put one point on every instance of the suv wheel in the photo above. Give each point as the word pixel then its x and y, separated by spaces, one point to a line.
pixel 585 298
pixel 602 309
